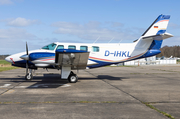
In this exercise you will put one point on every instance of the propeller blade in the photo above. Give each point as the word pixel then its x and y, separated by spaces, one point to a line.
pixel 27 60
pixel 27 49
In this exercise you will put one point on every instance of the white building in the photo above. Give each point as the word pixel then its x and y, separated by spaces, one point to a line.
pixel 151 61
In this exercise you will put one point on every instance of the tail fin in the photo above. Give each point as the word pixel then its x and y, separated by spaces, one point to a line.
pixel 158 26
pixel 151 40
pixel 157 31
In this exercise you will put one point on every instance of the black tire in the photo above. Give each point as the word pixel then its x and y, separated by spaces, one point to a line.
pixel 29 77
pixel 72 78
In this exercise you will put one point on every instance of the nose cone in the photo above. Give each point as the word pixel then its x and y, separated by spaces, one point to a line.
pixel 25 57
pixel 8 59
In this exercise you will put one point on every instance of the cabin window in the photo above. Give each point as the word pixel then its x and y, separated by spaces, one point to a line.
pixel 84 48
pixel 60 47
pixel 95 49
pixel 49 47
pixel 71 47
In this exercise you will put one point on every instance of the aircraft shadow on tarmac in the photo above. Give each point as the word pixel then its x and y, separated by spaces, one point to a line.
pixel 54 81
pixel 102 77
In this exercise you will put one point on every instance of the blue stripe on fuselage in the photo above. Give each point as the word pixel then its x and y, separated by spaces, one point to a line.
pixel 41 55
pixel 70 51
pixel 22 64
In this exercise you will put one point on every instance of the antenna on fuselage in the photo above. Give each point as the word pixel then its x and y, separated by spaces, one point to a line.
pixel 120 40
pixel 111 40
pixel 96 39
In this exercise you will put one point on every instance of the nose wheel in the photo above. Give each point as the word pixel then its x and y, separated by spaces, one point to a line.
pixel 29 75
pixel 73 78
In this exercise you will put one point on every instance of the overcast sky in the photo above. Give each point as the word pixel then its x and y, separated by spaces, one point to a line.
pixel 41 22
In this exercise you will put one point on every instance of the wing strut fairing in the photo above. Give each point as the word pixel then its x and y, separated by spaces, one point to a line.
pixel 76 59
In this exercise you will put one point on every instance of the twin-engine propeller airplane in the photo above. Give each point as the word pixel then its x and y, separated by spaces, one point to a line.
pixel 77 56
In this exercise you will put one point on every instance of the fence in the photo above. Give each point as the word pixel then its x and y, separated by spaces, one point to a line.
pixel 155 62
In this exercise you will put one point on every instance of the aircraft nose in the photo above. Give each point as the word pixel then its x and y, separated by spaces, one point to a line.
pixel 8 59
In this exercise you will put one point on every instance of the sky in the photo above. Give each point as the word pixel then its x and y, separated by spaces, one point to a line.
pixel 41 22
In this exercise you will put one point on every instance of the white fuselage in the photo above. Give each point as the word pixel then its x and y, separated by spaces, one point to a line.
pixel 106 52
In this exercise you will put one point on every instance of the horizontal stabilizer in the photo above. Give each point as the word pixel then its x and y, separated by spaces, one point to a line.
pixel 158 37
pixel 167 35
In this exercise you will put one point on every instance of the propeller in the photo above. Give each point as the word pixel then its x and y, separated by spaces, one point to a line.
pixel 26 57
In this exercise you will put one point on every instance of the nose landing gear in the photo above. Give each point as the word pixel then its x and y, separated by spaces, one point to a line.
pixel 29 75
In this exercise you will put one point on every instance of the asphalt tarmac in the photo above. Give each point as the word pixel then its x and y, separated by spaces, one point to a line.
pixel 101 93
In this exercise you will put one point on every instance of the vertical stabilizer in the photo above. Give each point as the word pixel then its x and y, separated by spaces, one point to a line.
pixel 158 26
pixel 151 40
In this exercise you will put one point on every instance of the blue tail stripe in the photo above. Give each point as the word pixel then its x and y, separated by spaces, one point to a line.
pixel 156 44
pixel 161 32
pixel 163 17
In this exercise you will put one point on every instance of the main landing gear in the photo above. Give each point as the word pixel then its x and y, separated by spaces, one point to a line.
pixel 66 73
pixel 73 78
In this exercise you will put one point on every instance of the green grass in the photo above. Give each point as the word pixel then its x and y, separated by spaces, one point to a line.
pixel 57 102
pixel 3 62
pixel 164 113
pixel 5 66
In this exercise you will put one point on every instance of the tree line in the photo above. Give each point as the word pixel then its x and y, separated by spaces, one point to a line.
pixel 2 57
pixel 168 51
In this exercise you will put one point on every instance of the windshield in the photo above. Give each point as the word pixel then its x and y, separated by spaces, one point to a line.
pixel 49 47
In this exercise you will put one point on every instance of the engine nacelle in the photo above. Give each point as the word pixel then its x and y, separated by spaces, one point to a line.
pixel 42 65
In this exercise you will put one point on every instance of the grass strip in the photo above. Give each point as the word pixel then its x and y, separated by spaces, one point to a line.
pixel 54 102
pixel 7 68
pixel 4 62
pixel 86 102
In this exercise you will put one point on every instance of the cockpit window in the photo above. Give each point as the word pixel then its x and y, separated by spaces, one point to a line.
pixel 49 47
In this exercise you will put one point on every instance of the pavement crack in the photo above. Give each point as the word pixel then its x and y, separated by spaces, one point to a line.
pixel 156 109
pixel 148 104
pixel 115 87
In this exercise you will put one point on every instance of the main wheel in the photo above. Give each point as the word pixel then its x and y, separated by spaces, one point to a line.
pixel 72 78
pixel 29 77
